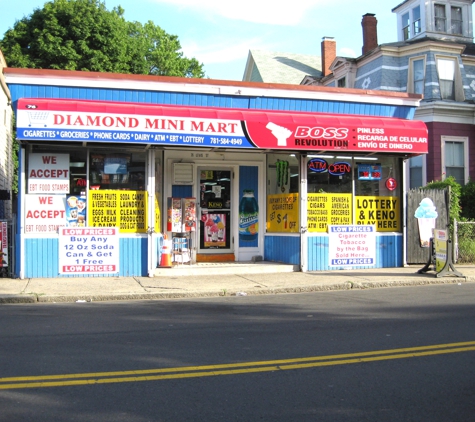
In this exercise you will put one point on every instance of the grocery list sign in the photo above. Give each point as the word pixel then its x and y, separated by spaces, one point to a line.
pixel 48 173
pixel 89 250
pixel 351 246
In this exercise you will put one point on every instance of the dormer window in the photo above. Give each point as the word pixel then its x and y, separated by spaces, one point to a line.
pixel 416 24
pixel 406 25
pixel 446 70
pixel 411 23
pixel 456 20
pixel 341 83
pixel 440 18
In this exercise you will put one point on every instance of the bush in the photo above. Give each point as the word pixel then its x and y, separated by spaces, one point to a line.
pixel 455 194
pixel 467 201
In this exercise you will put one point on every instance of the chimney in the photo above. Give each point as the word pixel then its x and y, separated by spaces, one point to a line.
pixel 328 54
pixel 370 32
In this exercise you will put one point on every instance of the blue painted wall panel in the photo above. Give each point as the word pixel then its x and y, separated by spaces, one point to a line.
pixel 182 191
pixel 285 249
pixel 388 253
pixel 42 258
pixel 133 256
pixel 209 100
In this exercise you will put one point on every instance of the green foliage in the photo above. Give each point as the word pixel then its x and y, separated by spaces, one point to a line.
pixel 467 200
pixel 84 35
pixel 455 193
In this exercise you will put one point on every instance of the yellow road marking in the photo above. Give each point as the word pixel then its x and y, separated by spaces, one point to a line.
pixel 230 369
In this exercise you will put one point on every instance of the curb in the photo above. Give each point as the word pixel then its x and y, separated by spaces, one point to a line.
pixel 347 285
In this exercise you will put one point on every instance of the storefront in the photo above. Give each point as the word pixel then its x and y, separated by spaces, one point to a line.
pixel 109 164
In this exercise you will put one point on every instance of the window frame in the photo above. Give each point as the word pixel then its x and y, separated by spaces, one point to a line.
pixel 459 95
pixel 456 23
pixel 416 23
pixel 440 19
pixel 411 81
pixel 341 83
pixel 455 139
pixel 423 168
pixel 406 26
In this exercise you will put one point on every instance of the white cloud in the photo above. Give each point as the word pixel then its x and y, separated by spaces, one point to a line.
pixel 347 52
pixel 222 52
pixel 256 11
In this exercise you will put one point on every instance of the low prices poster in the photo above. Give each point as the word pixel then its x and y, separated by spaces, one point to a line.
pixel 283 213
pixel 382 211
pixel 350 246
pixel 126 210
pixel 88 250
pixel 324 209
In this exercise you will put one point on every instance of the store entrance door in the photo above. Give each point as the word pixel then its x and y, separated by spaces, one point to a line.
pixel 215 213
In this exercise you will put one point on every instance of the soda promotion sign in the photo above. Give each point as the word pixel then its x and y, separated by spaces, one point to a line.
pixel 96 121
pixel 89 250
pixel 48 173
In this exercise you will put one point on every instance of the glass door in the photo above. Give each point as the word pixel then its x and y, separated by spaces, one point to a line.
pixel 215 234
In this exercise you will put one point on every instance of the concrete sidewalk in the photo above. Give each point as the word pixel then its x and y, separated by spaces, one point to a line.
pixel 174 285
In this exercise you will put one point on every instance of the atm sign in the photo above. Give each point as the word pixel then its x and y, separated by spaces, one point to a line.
pixel 317 165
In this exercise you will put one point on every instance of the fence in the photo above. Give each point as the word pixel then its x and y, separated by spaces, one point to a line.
pixel 464 242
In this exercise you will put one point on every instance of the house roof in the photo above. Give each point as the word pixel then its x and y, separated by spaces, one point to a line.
pixel 278 67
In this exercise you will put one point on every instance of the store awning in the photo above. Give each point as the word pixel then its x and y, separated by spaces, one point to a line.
pixel 103 121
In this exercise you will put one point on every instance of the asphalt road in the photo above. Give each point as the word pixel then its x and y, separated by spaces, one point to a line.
pixel 400 354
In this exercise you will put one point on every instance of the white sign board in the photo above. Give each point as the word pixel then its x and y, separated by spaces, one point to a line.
pixel 89 250
pixel 44 213
pixel 351 246
pixel 48 173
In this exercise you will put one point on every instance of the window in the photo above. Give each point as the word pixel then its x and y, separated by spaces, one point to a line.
pixel 440 18
pixel 416 18
pixel 446 71
pixel 416 179
pixel 418 76
pixel 455 158
pixel 342 83
pixel 406 26
pixel 456 20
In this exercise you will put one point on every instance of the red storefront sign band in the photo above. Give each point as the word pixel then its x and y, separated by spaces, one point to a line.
pixel 100 121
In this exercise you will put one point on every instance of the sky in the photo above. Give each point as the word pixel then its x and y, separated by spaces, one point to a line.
pixel 220 33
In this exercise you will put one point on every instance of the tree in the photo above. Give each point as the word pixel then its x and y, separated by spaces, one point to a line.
pixel 84 35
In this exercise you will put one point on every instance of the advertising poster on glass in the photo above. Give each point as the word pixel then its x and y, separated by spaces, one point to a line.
pixel 75 211
pixel 189 211
pixel 215 230
pixel 3 244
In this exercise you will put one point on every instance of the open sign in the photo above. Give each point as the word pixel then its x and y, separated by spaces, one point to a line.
pixel 339 169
